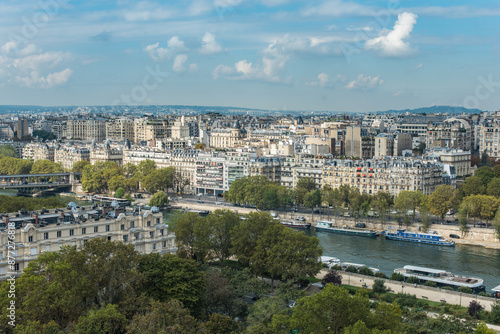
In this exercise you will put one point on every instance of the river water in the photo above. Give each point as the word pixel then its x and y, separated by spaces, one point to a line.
pixel 388 255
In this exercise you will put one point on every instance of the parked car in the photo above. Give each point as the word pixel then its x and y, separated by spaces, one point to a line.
pixel 454 236
pixel 201 201
pixel 294 209
pixel 347 214
pixel 316 210
pixel 360 225
pixel 301 218
pixel 481 224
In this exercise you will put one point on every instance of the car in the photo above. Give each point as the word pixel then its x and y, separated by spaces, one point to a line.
pixel 219 203
pixel 199 195
pixel 454 236
pixel 301 218
pixel 295 209
pixel 481 224
pixel 347 214
pixel 201 201
pixel 316 210
pixel 360 225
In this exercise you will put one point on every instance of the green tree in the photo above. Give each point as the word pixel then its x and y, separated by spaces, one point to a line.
pixel 95 177
pixel 328 195
pixel 485 173
pixel 495 312
pixel 496 170
pixel 12 166
pixel 120 192
pixel 493 188
pixel 262 312
pixel 170 317
pixel 146 167
pixel 46 167
pixel 221 324
pixel 160 199
pixel 220 225
pixel 312 199
pixel 489 206
pixel 159 179
pixel 332 277
pixel 441 200
pixel 199 146
pixel 192 236
pixel 408 201
pixel 168 277
pixel 79 166
pixel 248 232
pixel 221 296
pixel 382 201
pixel 107 320
pixel 425 221
pixel 8 150
pixel 304 185
pixel 496 224
pixel 472 186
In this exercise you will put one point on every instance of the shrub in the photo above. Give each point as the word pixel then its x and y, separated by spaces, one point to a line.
pixel 474 309
pixel 447 288
pixel 389 298
pixel 406 300
pixel 412 279
pixel 336 267
pixel 495 312
pixel 397 277
pixel 333 277
pixel 431 283
pixel 484 294
pixel 351 269
pixel 380 275
pixel 379 286
pixel 120 192
pixel 464 289
pixel 304 282
pixel 366 271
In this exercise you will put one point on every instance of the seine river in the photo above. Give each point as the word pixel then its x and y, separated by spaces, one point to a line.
pixel 388 255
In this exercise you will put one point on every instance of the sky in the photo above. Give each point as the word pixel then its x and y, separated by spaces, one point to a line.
pixel 329 55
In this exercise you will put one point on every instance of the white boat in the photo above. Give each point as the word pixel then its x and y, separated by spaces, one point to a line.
pixel 344 266
pixel 330 261
pixel 442 277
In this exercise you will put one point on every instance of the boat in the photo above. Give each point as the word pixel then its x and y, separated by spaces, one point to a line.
pixel 329 226
pixel 330 261
pixel 425 238
pixel 442 277
pixel 345 265
pixel 293 224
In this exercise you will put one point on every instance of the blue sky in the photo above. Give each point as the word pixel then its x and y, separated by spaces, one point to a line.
pixel 271 54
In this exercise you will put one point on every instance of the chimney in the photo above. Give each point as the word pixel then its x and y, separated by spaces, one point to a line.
pixel 36 218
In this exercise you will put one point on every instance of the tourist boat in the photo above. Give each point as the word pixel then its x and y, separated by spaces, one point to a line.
pixel 330 261
pixel 425 238
pixel 442 277
pixel 329 226
pixel 293 224
pixel 345 265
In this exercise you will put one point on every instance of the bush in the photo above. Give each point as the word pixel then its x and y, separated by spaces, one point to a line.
pixel 365 271
pixel 380 275
pixel 333 277
pixel 304 282
pixel 412 279
pixel 120 192
pixel 447 288
pixel 431 283
pixel 389 298
pixel 495 313
pixel 336 267
pixel 406 300
pixel 474 309
pixel 397 277
pixel 160 199
pixel 379 286
pixel 484 294
pixel 351 269
pixel 464 289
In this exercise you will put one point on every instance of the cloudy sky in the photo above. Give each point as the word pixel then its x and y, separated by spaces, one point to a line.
pixel 271 54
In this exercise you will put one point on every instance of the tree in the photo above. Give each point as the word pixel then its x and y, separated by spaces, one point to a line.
pixel 120 192
pixel 79 166
pixel 199 146
pixel 160 199
pixel 312 199
pixel 95 177
pixel 441 200
pixel 170 317
pixel 470 207
pixel 496 224
pixel 489 206
pixel 46 167
pixel 159 179
pixel 102 321
pixel 328 195
pixel 221 324
pixel 474 308
pixel 407 201
pixel 262 313
pixel 192 237
pixel 485 173
pixel 496 170
pixel 495 312
pixel 333 277
pixel 220 225
pixel 425 221
pixel 304 185
pixel 493 187
pixel 220 296
pixel 472 186
pixel 145 167
pixel 8 150
pixel 462 221
pixel 168 278
pixel 382 201
pixel 246 234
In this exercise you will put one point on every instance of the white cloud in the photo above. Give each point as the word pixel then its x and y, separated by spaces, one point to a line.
pixel 323 81
pixel 148 11
pixel 365 28
pixel 391 42
pixel 30 67
pixel 338 8
pixel 157 53
pixel 193 68
pixel 227 3
pixel 199 7
pixel 209 45
pixel 365 82
pixel 419 66
pixel 179 62
pixel 222 70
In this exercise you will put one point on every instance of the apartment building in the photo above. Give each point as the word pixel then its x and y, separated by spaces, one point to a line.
pixel 184 162
pixel 458 161
pixel 120 129
pixel 392 144
pixel 86 129
pixel 48 232
pixel 452 133
pixel 210 173
pixel 269 167
pixel 67 156
pixel 391 175
pixel 236 164
pixel 22 128
pixel 489 138
pixel 106 152
pixel 146 129
pixel 225 138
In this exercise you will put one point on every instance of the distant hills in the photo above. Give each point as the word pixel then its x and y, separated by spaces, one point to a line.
pixel 190 110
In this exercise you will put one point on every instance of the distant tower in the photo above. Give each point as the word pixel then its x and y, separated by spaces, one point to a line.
pixel 22 128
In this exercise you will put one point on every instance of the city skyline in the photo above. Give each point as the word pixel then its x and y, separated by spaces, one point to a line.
pixel 272 54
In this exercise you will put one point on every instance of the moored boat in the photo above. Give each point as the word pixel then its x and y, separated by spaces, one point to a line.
pixel 329 226
pixel 346 265
pixel 431 237
pixel 293 224
pixel 330 261
pixel 442 277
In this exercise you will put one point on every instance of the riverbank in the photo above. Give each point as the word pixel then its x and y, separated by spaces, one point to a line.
pixel 484 237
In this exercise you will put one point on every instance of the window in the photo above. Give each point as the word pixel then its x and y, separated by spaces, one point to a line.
pixel 164 244
pixel 71 233
pixel 152 234
pixel 47 248
pixel 161 232
pixel 16 267
pixel 46 235
pixel 154 246
pixel 58 234
pixel 107 228
pixel 132 224
pixel 84 230
pixel 122 227
pixel 125 238
pixel 30 238
pixel 85 241
pixel 96 229
pixel 157 220
pixel 148 223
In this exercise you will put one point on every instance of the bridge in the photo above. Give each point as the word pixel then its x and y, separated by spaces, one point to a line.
pixel 31 183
